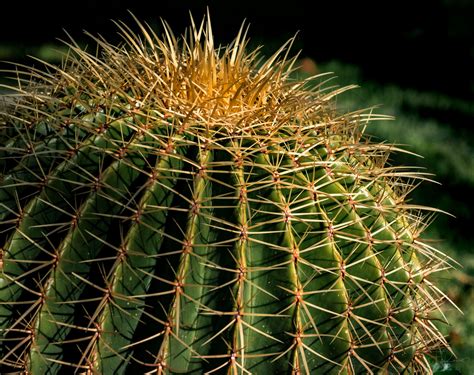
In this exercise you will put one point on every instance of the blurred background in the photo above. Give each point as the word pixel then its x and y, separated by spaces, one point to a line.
pixel 414 58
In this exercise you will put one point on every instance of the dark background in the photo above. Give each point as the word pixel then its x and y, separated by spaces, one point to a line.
pixel 422 44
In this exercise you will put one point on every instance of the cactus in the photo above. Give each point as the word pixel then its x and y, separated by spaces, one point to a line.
pixel 167 206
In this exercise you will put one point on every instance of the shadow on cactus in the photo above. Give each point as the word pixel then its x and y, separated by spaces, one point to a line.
pixel 167 206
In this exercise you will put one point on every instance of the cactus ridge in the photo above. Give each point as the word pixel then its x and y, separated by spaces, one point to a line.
pixel 169 206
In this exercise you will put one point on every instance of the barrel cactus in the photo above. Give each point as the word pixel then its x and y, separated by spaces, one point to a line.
pixel 167 206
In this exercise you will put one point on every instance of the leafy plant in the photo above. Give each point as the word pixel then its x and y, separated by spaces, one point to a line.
pixel 167 206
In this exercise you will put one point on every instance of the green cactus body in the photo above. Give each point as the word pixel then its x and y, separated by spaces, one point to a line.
pixel 166 207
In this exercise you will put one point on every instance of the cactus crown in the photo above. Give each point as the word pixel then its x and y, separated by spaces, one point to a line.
pixel 169 206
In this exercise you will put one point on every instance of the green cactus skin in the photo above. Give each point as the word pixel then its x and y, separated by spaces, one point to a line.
pixel 169 207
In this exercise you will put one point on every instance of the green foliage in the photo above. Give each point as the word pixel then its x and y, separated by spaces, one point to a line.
pixel 171 207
